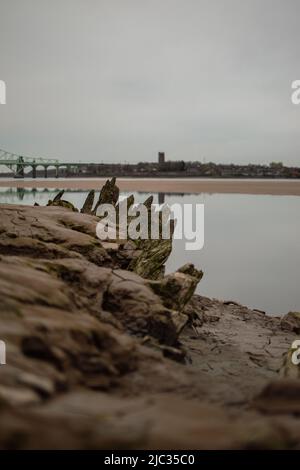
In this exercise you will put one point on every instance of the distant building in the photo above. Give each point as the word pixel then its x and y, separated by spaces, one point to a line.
pixel 161 158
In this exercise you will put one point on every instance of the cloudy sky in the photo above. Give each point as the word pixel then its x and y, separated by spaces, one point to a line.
pixel 119 80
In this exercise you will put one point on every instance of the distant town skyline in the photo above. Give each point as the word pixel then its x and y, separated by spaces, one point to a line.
pixel 121 80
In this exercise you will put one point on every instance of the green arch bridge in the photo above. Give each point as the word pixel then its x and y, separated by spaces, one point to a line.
pixel 18 163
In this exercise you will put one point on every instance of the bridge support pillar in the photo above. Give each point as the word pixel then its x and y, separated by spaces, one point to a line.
pixel 56 172
pixel 45 171
pixel 33 171
pixel 20 171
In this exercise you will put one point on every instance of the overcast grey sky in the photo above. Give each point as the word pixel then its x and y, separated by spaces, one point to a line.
pixel 118 80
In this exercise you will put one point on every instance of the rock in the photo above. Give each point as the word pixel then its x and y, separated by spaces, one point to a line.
pixel 52 232
pixel 291 322
pixel 177 289
pixel 139 310
pixel 53 339
pixel 111 246
pixel 279 397
pixel 17 396
pixel 234 345
pixel 89 420
pixel 42 385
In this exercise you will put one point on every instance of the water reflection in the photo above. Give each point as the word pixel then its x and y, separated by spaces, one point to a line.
pixel 11 195
pixel 161 198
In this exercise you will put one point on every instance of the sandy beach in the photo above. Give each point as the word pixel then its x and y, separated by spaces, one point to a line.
pixel 182 186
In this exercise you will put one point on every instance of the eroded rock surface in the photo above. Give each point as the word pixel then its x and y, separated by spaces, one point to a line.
pixel 101 357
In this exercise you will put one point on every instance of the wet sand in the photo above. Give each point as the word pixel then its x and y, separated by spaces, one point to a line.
pixel 176 185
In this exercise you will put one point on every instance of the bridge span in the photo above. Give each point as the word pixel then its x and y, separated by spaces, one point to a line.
pixel 18 164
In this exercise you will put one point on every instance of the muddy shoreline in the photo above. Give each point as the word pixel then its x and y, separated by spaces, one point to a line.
pixel 104 351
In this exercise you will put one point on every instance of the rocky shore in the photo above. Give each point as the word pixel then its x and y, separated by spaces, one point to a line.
pixel 105 351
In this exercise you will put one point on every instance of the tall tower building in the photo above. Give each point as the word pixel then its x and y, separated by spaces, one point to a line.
pixel 161 158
